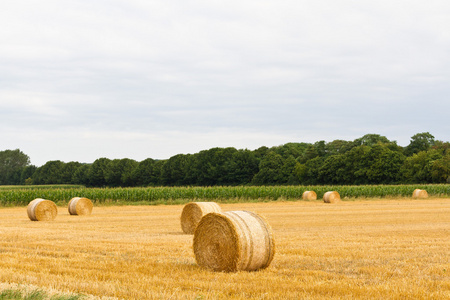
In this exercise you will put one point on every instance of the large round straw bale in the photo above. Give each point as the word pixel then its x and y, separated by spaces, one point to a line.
pixel 80 206
pixel 42 210
pixel 309 195
pixel 233 241
pixel 418 193
pixel 331 197
pixel 193 213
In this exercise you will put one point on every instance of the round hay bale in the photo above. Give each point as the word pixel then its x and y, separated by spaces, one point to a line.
pixel 418 193
pixel 309 195
pixel 80 206
pixel 42 210
pixel 233 241
pixel 193 212
pixel 331 197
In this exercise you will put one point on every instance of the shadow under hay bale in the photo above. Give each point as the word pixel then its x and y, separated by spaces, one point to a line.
pixel 42 210
pixel 331 197
pixel 80 206
pixel 420 194
pixel 309 195
pixel 233 241
pixel 193 212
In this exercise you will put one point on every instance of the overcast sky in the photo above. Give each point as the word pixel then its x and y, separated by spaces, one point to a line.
pixel 81 80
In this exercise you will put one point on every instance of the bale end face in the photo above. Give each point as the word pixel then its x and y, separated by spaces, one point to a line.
pixel 331 197
pixel 309 195
pixel 80 206
pixel 193 212
pixel 420 194
pixel 233 241
pixel 42 210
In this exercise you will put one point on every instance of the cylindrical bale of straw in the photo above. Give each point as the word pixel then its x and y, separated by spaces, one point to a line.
pixel 193 212
pixel 42 210
pixel 331 197
pixel 80 206
pixel 309 195
pixel 233 241
pixel 418 193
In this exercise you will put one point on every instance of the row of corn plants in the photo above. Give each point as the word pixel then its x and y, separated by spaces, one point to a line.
pixel 15 196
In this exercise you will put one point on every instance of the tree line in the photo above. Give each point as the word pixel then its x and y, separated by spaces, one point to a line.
pixel 371 159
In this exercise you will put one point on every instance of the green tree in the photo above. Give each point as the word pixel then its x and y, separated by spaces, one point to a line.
pixel 26 174
pixel 312 167
pixel 269 169
pixel 214 164
pixel 81 175
pixel 118 172
pixel 371 140
pixel 147 173
pixel 440 169
pixel 68 170
pixel 50 173
pixel 288 171
pixel 310 153
pixel 11 164
pixel 356 165
pixel 338 147
pixel 321 148
pixel 241 167
pixel 419 142
pixel 128 166
pixel 443 147
pixel 334 170
pixel 173 171
pixel 418 167
pixel 97 172
pixel 210 167
pixel 383 164
pixel 299 172
pixel 261 152
pixel 291 149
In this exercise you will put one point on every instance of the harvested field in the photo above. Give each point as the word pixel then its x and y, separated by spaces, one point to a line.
pixel 372 249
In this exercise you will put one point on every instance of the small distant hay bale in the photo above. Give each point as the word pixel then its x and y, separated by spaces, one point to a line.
pixel 331 197
pixel 80 206
pixel 233 241
pixel 309 195
pixel 193 212
pixel 42 210
pixel 418 193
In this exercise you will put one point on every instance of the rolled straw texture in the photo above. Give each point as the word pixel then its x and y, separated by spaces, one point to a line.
pixel 193 212
pixel 234 241
pixel 80 206
pixel 420 193
pixel 309 195
pixel 331 197
pixel 42 210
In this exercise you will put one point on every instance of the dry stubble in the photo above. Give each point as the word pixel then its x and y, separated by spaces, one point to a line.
pixel 393 249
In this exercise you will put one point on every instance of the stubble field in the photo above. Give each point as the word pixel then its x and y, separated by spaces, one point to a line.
pixel 376 249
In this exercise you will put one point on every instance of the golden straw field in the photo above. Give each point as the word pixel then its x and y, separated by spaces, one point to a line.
pixel 361 249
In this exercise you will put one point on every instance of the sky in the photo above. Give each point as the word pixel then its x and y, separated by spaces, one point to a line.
pixel 82 80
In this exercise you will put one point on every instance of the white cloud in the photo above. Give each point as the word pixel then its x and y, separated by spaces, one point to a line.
pixel 188 75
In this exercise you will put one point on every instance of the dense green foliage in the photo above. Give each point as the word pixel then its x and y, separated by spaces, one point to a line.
pixel 371 159
pixel 156 195
pixel 14 167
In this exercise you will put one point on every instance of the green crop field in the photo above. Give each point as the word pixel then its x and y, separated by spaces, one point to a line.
pixel 22 195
